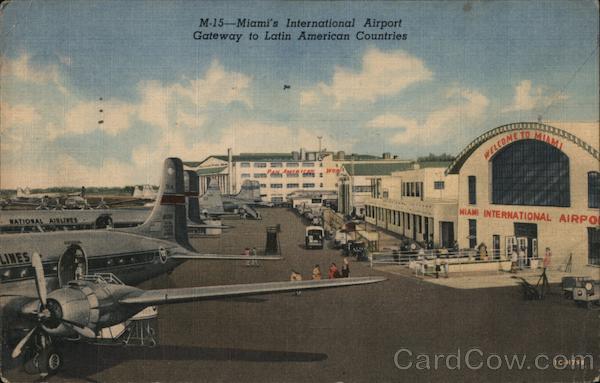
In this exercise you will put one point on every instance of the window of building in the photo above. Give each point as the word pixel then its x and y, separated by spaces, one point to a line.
pixel 472 190
pixel 321 175
pixel 417 189
pixel 293 175
pixel 293 186
pixel 245 175
pixel 276 164
pixel 276 186
pixel 594 246
pixel 276 199
pixel 361 189
pixel 308 186
pixel 292 164
pixel 594 189
pixel 308 175
pixel 472 233
pixel 276 175
pixel 438 185
pixel 321 185
pixel 531 173
pixel 263 185
pixel 403 193
pixel 260 175
pixel 308 164
pixel 245 164
pixel 260 165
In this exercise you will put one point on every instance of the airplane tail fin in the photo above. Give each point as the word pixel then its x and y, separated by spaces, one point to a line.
pixel 250 191
pixel 192 189
pixel 168 219
pixel 211 202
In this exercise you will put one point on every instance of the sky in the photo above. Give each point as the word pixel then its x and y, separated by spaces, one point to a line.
pixel 463 68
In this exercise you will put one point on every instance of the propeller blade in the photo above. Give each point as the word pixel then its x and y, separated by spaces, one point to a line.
pixel 19 348
pixel 80 329
pixel 40 279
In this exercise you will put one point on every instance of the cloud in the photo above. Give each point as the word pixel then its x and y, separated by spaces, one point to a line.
pixel 24 70
pixel 382 74
pixel 466 107
pixel 85 117
pixel 17 115
pixel 67 171
pixel 528 98
pixel 218 85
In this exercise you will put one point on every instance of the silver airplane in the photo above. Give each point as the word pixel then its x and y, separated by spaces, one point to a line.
pixel 216 204
pixel 24 221
pixel 71 286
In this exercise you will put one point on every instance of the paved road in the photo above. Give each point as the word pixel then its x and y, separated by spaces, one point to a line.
pixel 339 335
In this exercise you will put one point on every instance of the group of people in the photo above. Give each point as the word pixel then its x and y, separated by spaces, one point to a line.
pixel 518 259
pixel 332 273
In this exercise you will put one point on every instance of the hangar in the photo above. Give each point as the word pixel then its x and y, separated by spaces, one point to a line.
pixel 534 186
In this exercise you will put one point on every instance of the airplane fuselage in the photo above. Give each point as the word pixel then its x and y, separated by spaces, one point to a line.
pixel 131 257
pixel 16 221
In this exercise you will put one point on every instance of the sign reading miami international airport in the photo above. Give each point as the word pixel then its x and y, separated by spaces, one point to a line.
pixel 97 93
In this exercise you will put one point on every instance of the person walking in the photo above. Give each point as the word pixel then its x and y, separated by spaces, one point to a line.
pixel 247 254
pixel 346 268
pixel 547 258
pixel 333 271
pixel 254 261
pixel 295 277
pixel 514 259
pixel 316 273
pixel 521 258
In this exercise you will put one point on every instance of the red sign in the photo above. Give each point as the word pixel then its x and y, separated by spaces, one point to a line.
pixel 517 215
pixel 504 140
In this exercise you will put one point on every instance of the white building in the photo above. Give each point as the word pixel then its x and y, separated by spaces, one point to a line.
pixel 534 186
pixel 279 174
pixel 355 186
pixel 419 203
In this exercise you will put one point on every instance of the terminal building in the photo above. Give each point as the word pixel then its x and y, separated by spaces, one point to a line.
pixel 418 202
pixel 533 186
pixel 281 175
pixel 522 185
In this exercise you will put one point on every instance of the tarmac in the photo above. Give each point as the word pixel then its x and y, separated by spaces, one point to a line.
pixel 354 334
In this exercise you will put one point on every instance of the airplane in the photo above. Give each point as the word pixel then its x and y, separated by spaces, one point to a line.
pixel 198 224
pixel 145 192
pixel 71 286
pixel 21 221
pixel 46 201
pixel 24 221
pixel 216 204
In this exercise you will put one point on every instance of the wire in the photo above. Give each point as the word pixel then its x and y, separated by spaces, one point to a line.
pixel 571 79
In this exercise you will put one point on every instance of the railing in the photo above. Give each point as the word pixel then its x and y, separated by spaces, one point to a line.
pixel 105 278
pixel 424 261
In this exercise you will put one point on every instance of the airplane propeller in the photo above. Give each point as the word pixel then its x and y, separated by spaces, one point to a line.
pixel 46 313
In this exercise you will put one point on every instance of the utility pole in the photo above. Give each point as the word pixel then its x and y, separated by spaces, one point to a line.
pixel 320 137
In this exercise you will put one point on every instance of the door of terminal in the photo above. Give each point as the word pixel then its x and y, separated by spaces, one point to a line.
pixel 447 230
pixel 495 246
pixel 529 232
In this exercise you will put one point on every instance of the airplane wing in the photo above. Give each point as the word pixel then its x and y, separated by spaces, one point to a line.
pixel 206 226
pixel 225 257
pixel 190 294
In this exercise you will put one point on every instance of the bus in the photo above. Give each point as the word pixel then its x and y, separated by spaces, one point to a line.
pixel 315 237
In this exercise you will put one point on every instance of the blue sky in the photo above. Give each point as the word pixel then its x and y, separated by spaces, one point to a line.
pixel 465 67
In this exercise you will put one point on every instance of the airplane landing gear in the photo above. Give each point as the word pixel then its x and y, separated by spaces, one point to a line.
pixel 43 359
